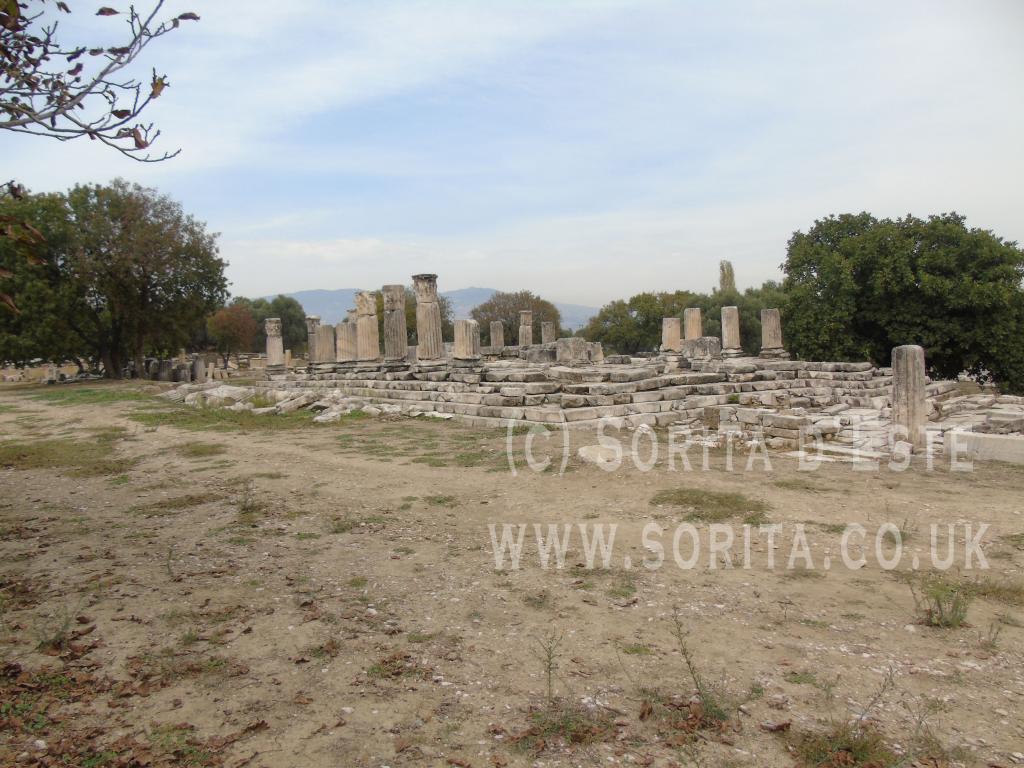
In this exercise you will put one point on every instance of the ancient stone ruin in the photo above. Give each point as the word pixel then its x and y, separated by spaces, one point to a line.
pixel 703 383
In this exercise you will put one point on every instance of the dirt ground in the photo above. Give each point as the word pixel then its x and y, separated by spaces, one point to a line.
pixel 184 587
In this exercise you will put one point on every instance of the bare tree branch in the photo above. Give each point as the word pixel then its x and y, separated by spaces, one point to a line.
pixel 39 96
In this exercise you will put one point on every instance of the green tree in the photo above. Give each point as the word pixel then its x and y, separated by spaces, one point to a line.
pixel 629 327
pixel 232 329
pixel 52 304
pixel 633 326
pixel 857 286
pixel 505 306
pixel 291 313
pixel 123 268
pixel 726 277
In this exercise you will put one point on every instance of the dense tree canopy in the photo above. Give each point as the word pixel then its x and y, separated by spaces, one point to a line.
pixel 123 272
pixel 857 286
pixel 634 325
pixel 293 321
pixel 505 306
pixel 232 329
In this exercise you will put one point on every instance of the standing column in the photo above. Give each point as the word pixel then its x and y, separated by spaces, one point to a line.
pixel 275 344
pixel 731 332
pixel 497 334
pixel 467 340
pixel 348 342
pixel 670 341
pixel 312 328
pixel 325 344
pixel 368 334
pixel 396 336
pixel 909 409
pixel 693 327
pixel 771 334
pixel 547 332
pixel 525 327
pixel 429 345
pixel 198 369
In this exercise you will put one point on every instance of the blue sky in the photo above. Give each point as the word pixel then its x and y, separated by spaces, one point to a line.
pixel 584 150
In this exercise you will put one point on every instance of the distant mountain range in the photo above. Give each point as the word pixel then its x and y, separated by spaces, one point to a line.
pixel 332 306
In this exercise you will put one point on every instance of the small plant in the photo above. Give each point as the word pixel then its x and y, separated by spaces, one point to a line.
pixel 547 653
pixel 902 536
pixel 571 724
pixel 991 640
pixel 939 601
pixel 623 586
pixel 249 506
pixel 844 745
pixel 397 665
pixel 54 631
pixel 854 744
pixel 800 678
pixel 710 700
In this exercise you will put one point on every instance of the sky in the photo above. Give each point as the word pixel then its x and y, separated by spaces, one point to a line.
pixel 586 151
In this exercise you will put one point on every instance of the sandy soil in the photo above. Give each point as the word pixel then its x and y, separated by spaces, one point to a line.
pixel 327 595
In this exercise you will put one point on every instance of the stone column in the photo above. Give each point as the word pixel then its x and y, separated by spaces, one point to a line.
pixel 909 409
pixel 670 341
pixel 429 345
pixel 396 337
pixel 731 332
pixel 497 334
pixel 312 329
pixel 348 342
pixel 287 358
pixel 198 370
pixel 325 344
pixel 572 350
pixel 547 332
pixel 771 334
pixel 693 327
pixel 467 340
pixel 368 339
pixel 275 344
pixel 525 327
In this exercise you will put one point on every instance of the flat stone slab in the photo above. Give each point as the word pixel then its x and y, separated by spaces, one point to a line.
pixel 978 445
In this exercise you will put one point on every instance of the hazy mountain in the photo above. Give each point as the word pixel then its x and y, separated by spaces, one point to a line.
pixel 332 305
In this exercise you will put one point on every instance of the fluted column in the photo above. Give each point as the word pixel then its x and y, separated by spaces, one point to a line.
pixel 670 341
pixel 325 344
pixel 396 337
pixel 467 340
pixel 731 332
pixel 497 334
pixel 312 328
pixel 548 335
pixel 771 334
pixel 909 406
pixel 693 327
pixel 525 327
pixel 275 344
pixel 368 334
pixel 429 344
pixel 347 342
